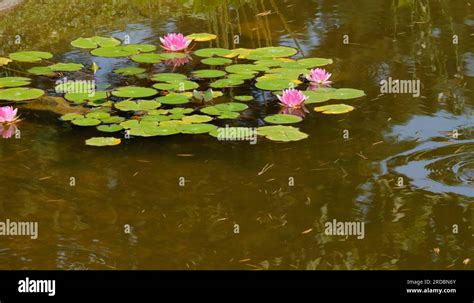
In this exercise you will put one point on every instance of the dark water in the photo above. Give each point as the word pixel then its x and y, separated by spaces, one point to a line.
pixel 392 139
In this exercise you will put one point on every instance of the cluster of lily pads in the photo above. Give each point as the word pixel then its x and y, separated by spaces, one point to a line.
pixel 162 109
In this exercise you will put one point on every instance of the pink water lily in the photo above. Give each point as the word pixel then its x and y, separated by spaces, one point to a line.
pixel 292 98
pixel 319 77
pixel 175 42
pixel 8 115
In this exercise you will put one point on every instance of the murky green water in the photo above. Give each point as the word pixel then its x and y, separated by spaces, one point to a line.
pixel 238 184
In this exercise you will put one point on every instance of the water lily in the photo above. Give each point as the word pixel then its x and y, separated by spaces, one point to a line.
pixel 292 98
pixel 319 77
pixel 177 62
pixel 8 131
pixel 8 115
pixel 175 42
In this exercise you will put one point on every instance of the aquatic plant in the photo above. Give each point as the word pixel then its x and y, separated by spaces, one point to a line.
pixel 8 115
pixel 292 98
pixel 319 77
pixel 175 42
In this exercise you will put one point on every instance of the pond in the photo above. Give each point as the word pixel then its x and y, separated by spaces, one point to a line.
pixel 399 162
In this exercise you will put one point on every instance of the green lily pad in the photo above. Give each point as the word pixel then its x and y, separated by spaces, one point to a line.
pixel 201 37
pixel 211 52
pixel 228 115
pixel 283 119
pixel 20 94
pixel 281 133
pixel 177 85
pixel 197 119
pixel 181 110
pixel 137 106
pixel 95 42
pixel 347 93
pixel 209 73
pixel 243 98
pixel 147 58
pixel 109 128
pixel 165 77
pixel 71 116
pixel 241 76
pixel 274 85
pixel 112 120
pixel 317 96
pixel 66 67
pixel 98 115
pixel 222 83
pixel 314 62
pixel 194 129
pixel 334 109
pixel 245 69
pixel 173 56
pixel 14 81
pixel 112 52
pixel 272 52
pixel 140 48
pixel 79 98
pixel 86 122
pixel 231 107
pixel 156 118
pixel 134 92
pixel 130 71
pixel 103 141
pixel 173 99
pixel 41 71
pixel 216 61
pixel 152 130
pixel 30 56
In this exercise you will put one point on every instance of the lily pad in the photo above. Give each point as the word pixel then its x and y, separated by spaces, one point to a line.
pixel 98 115
pixel 314 62
pixel 66 67
pixel 228 115
pixel 222 83
pixel 281 133
pixel 347 93
pixel 317 96
pixel 20 94
pixel 241 76
pixel 245 69
pixel 209 73
pixel 14 81
pixel 86 122
pixel 274 85
pixel 109 128
pixel 30 56
pixel 103 141
pixel 112 52
pixel 147 58
pixel 156 118
pixel 272 52
pixel 201 37
pixel 177 85
pixel 173 99
pixel 334 109
pixel 173 56
pixel 197 119
pixel 137 106
pixel 95 42
pixel 283 119
pixel 140 48
pixel 202 128
pixel 243 98
pixel 113 120
pixel 216 61
pixel 79 98
pixel 71 116
pixel 165 77
pixel 41 71
pixel 134 92
pixel 4 61
pixel 130 71
pixel 231 107
pixel 144 130
pixel 211 52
